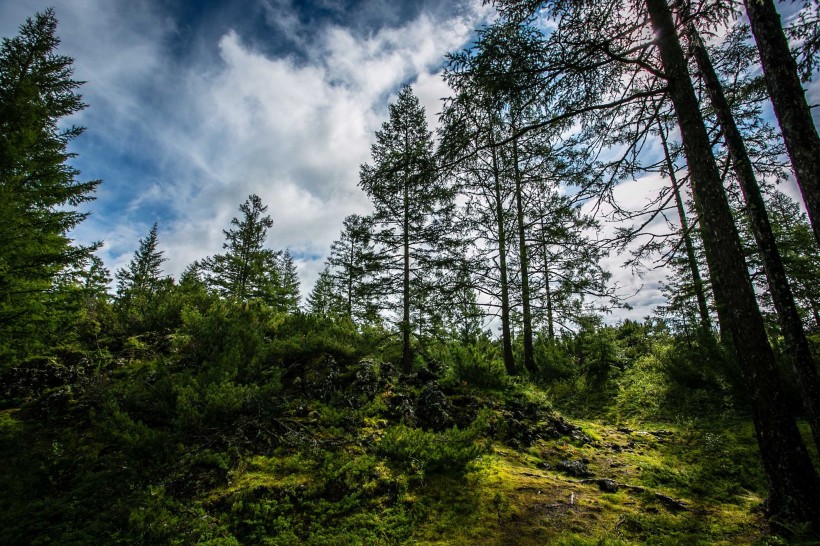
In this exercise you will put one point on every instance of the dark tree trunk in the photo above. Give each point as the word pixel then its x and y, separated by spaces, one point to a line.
pixel 697 281
pixel 506 335
pixel 529 353
pixel 550 323
pixel 790 322
pixel 789 102
pixel 793 482
pixel 406 352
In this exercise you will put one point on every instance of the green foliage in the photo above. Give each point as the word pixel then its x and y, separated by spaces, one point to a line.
pixel 477 364
pixel 428 452
pixel 39 190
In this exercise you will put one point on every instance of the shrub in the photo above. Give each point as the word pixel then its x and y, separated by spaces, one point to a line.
pixel 425 452
pixel 478 364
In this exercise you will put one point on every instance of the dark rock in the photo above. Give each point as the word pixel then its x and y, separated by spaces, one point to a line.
pixel 433 408
pixel 607 486
pixel 577 469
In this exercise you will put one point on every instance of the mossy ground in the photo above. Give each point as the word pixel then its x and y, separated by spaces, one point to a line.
pixel 692 483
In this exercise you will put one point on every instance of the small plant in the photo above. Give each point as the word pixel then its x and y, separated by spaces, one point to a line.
pixel 425 452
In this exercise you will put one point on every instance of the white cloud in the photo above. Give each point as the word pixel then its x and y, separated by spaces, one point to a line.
pixel 232 120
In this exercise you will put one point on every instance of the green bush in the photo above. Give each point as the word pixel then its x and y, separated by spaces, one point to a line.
pixel 425 452
pixel 478 364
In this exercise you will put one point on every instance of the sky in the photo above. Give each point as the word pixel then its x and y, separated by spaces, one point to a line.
pixel 192 106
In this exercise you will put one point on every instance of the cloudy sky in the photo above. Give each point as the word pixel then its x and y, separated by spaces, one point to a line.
pixel 195 105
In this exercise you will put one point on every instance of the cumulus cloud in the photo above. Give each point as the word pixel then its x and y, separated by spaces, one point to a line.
pixel 184 137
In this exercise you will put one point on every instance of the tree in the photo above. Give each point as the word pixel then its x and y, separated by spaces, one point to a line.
pixel 39 191
pixel 411 206
pixel 355 266
pixel 470 130
pixel 789 102
pixel 247 270
pixel 144 273
pixel 287 296
pixel 791 324
pixel 323 300
pixel 139 283
pixel 792 478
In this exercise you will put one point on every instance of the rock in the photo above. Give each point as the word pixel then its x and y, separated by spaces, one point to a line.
pixel 433 408
pixel 607 486
pixel 576 469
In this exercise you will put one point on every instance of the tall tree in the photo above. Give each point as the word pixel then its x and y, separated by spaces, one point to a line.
pixel 790 322
pixel 792 478
pixel 144 272
pixel 411 205
pixel 323 299
pixel 470 128
pixel 39 190
pixel 287 297
pixel 789 102
pixel 689 245
pixel 140 282
pixel 355 268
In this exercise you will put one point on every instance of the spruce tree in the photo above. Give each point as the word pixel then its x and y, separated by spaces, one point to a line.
pixel 411 206
pixel 355 267
pixel 247 270
pixel 39 191
pixel 139 283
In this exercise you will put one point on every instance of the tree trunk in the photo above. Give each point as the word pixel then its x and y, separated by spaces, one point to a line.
pixel 789 102
pixel 790 322
pixel 529 358
pixel 550 322
pixel 697 281
pixel 506 335
pixel 793 482
pixel 406 353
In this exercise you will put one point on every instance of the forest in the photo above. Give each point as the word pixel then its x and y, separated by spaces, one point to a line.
pixel 459 372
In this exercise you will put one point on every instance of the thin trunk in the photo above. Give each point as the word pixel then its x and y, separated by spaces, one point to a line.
pixel 506 336
pixel 548 290
pixel 793 482
pixel 789 102
pixel 697 281
pixel 350 280
pixel 529 358
pixel 406 354
pixel 791 324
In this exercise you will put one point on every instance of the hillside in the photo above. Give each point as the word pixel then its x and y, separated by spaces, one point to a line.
pixel 310 441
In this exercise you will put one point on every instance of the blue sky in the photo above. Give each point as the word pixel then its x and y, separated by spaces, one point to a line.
pixel 195 105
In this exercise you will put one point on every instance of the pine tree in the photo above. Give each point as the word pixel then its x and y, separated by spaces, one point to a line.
pixel 247 270
pixel 139 284
pixel 324 300
pixel 411 206
pixel 789 102
pixel 287 297
pixel 793 480
pixel 39 191
pixel 355 267
pixel 144 273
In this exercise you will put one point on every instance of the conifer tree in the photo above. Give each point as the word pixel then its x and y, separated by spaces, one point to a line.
pixel 139 283
pixel 144 273
pixel 39 191
pixel 355 267
pixel 287 297
pixel 323 300
pixel 247 270
pixel 411 206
